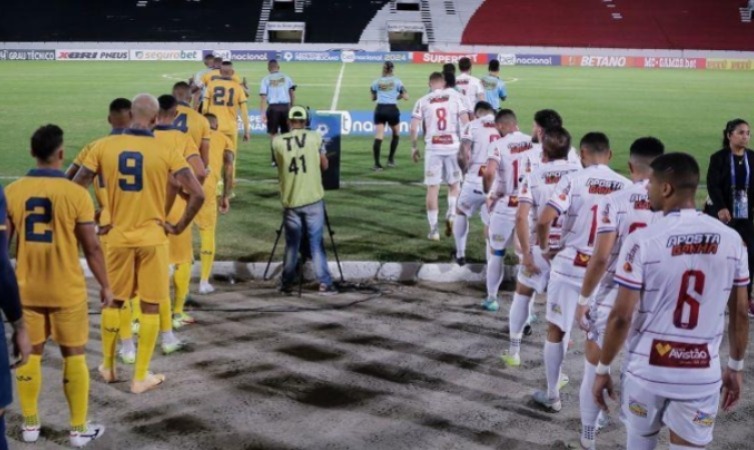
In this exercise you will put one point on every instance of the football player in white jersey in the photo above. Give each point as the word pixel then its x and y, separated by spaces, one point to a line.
pixel 536 190
pixel 620 214
pixel 677 277
pixel 469 85
pixel 476 137
pixel 501 180
pixel 544 119
pixel 442 115
pixel 576 197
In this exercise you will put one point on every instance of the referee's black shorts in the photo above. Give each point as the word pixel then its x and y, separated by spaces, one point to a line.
pixel 277 118
pixel 387 114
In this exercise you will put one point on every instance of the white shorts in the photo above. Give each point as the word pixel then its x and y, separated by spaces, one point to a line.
pixel 440 169
pixel 562 300
pixel 472 199
pixel 599 311
pixel 538 281
pixel 645 413
pixel 501 231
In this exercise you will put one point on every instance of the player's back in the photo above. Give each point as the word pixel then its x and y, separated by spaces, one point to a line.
pixel 171 137
pixel 135 167
pixel 218 144
pixel 224 98
pixel 511 150
pixel 481 132
pixel 191 122
pixel 45 208
pixel 470 87
pixel 577 196
pixel 685 264
pixel 534 157
pixel 440 112
pixel 214 74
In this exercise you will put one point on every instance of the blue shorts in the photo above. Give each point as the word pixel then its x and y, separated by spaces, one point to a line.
pixel 6 386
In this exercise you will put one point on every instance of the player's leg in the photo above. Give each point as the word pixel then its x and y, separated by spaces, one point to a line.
pixel 469 202
pixel 432 179
pixel 517 321
pixel 643 413
pixel 152 280
pixel 29 376
pixel 127 352
pixel 293 225
pixel 395 127
pixel 588 408
pixel 501 231
pixel 314 215
pixel 121 271
pixel 206 222
pixel 379 135
pixel 452 174
pixel 691 423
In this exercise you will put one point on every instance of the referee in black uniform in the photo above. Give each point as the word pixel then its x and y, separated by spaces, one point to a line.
pixel 386 91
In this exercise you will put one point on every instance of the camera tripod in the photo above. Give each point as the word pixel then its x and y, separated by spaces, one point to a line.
pixel 304 250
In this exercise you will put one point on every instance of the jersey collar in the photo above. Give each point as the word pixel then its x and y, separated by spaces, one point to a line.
pixel 682 212
pixel 164 127
pixel 184 104
pixel 137 132
pixel 52 173
pixel 115 131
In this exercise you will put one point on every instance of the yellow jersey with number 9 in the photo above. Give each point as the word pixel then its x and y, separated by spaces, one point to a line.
pixel 44 208
pixel 223 99
pixel 135 167
pixel 191 122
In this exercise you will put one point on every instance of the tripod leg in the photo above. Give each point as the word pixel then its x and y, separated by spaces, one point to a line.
pixel 272 253
pixel 332 241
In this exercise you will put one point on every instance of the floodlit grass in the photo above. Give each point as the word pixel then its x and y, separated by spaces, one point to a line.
pixel 375 216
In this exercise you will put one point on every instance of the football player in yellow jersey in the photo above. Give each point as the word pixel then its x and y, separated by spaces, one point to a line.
pixel 181 245
pixel 136 169
pixel 215 73
pixel 119 118
pixel 225 98
pixel 221 157
pixel 190 121
pixel 53 217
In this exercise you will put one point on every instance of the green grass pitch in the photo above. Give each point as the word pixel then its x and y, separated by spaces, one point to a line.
pixel 373 221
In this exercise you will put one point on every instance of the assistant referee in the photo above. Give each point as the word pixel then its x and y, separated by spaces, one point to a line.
pixel 277 94
pixel 300 157
pixel 386 91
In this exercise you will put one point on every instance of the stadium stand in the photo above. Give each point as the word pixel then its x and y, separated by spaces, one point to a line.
pixel 670 24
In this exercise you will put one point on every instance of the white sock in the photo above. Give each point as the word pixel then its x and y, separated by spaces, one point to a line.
pixel 203 282
pixel 451 206
pixel 432 218
pixel 460 233
pixel 517 321
pixel 127 346
pixel 638 442
pixel 553 361
pixel 531 308
pixel 167 337
pixel 683 447
pixel 588 407
pixel 566 341
pixel 495 273
pixel 489 249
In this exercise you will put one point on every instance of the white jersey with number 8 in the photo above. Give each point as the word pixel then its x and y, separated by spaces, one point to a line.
pixel 685 264
pixel 440 112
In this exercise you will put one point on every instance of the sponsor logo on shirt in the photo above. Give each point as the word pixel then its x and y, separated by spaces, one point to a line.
pixel 513 201
pixel 443 139
pixel 637 408
pixel 603 187
pixel 704 419
pixel 679 355
pixel 552 177
pixel 581 259
pixel 694 244
pixel 640 201
pixel 440 99
pixel 519 147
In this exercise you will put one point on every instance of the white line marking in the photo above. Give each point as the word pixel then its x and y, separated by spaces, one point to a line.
pixel 335 97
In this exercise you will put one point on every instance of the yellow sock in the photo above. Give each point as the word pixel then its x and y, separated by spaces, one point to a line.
pixel 76 387
pixel 150 324
pixel 166 317
pixel 182 280
pixel 110 326
pixel 29 380
pixel 135 308
pixel 125 321
pixel 207 251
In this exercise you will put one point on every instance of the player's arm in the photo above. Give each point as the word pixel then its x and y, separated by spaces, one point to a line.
pixel 191 186
pixel 10 298
pixel 170 194
pixel 596 269
pixel 87 236
pixel 415 123
pixel 544 224
pixel 464 156
pixel 204 151
pixel 738 333
pixel 489 174
pixel 245 120
pixel 70 172
pixel 228 157
pixel 84 177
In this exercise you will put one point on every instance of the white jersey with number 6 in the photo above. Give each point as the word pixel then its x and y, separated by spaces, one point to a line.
pixel 480 133
pixel 577 197
pixel 685 264
pixel 440 113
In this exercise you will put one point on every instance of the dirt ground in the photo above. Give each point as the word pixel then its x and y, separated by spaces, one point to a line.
pixel 399 367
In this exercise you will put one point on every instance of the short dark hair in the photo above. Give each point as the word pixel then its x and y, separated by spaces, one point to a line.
pixel 209 56
pixel 464 64
pixel 217 59
pixel 494 65
pixel 505 114
pixel 595 142
pixel 729 128
pixel 434 76
pixel 450 79
pixel 45 141
pixel 449 67
pixel 388 66
pixel 167 102
pixel 120 104
pixel 647 147
pixel 547 118
pixel 210 116
pixel 679 169
pixel 556 143
pixel 227 63
pixel 483 106
pixel 272 62
pixel 181 85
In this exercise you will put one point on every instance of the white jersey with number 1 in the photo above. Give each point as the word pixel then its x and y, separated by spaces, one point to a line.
pixel 509 152
pixel 440 113
pixel 480 133
pixel 685 266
